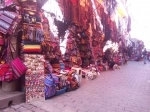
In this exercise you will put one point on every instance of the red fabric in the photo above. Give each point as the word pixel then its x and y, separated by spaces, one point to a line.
pixel 6 73
pixel 32 50
pixel 18 67
pixel 1 41
pixel 3 69
pixel 7 77
pixel 74 2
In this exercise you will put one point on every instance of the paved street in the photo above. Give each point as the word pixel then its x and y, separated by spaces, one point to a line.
pixel 123 90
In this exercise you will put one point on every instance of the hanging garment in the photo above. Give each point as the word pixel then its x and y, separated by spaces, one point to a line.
pixel 90 29
pixel 74 2
pixel 75 12
pixel 67 10
pixel 84 21
pixel 40 3
pixel 81 15
pixel 107 32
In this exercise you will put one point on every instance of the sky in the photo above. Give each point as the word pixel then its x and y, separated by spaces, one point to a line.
pixel 140 16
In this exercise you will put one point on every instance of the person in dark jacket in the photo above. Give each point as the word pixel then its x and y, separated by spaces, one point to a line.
pixel 145 55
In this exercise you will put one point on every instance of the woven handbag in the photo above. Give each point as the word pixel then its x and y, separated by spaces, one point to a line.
pixel 18 67
pixel 6 72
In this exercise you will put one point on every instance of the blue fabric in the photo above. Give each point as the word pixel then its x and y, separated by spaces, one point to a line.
pixel 49 81
pixel 50 88
pixel 50 91
pixel 56 79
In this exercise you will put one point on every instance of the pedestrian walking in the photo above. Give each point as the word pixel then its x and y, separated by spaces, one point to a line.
pixel 144 55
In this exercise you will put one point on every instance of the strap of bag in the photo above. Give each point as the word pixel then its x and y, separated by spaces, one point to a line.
pixel 2 55
pixel 4 51
pixel 9 50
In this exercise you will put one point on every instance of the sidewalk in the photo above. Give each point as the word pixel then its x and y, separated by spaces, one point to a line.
pixel 123 90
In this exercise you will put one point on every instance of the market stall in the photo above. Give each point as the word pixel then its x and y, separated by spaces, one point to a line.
pixel 56 46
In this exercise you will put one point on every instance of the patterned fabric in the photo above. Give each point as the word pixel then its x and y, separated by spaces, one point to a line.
pixel 31 46
pixel 50 91
pixel 63 82
pixel 50 88
pixel 56 66
pixel 49 67
pixel 74 2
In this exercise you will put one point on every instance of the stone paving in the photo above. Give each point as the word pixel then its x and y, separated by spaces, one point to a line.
pixel 123 90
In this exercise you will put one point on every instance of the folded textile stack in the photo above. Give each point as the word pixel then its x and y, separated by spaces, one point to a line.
pixel 31 47
pixel 9 21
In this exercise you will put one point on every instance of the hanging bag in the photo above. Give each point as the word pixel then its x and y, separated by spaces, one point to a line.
pixel 18 66
pixel 2 41
pixel 3 67
pixel 6 72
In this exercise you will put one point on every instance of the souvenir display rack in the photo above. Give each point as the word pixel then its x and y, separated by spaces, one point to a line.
pixel 32 38
pixel 34 86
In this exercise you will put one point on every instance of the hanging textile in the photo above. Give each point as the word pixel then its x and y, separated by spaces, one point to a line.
pixel 74 2
pixel 129 24
pixel 67 10
pixel 75 11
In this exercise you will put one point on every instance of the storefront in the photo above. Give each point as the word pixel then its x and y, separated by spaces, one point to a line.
pixel 53 47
